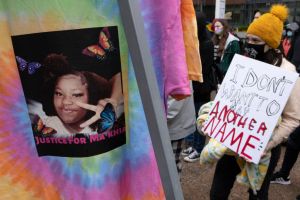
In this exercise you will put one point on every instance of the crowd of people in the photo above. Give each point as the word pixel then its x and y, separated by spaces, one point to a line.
pixel 270 38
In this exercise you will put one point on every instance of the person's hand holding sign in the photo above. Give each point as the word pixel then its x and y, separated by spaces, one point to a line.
pixel 246 159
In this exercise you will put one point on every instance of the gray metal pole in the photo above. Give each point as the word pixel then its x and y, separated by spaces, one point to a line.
pixel 146 79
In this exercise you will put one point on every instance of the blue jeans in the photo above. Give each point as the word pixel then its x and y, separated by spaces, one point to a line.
pixel 196 140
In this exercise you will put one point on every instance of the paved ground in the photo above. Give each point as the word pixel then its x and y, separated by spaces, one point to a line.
pixel 196 182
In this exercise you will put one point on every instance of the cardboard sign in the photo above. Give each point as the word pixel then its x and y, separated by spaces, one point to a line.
pixel 248 106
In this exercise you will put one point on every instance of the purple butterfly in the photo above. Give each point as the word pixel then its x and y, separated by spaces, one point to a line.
pixel 32 66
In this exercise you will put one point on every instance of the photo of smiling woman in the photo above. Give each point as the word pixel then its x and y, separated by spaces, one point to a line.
pixel 63 89
pixel 73 90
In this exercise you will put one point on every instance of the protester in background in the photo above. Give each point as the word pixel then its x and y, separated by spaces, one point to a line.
pixel 292 147
pixel 202 91
pixel 296 50
pixel 181 123
pixel 263 39
pixel 293 54
pixel 225 46
pixel 289 35
pixel 256 15
pixel 290 158
pixel 293 143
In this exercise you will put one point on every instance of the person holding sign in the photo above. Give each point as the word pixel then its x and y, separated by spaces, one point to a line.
pixel 262 40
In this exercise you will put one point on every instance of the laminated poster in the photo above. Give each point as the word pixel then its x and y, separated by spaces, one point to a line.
pixel 68 78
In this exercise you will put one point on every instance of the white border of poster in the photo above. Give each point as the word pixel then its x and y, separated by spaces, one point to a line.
pixel 248 106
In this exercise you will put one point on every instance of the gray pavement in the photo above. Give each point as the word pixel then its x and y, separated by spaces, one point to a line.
pixel 196 181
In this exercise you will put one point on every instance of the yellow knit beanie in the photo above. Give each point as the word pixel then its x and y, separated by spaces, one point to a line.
pixel 269 26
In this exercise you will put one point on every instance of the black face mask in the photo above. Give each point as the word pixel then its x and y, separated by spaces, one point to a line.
pixel 255 51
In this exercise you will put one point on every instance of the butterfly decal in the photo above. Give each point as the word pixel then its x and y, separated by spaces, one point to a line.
pixel 41 129
pixel 94 51
pixel 107 118
pixel 104 40
pixel 23 64
pixel 101 48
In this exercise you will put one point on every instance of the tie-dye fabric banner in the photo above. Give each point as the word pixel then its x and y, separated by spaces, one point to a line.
pixel 126 171
pixel 163 27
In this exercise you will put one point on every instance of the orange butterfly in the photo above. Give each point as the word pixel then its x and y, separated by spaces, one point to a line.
pixel 41 128
pixel 103 46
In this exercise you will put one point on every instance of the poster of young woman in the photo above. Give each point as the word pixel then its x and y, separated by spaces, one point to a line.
pixel 73 88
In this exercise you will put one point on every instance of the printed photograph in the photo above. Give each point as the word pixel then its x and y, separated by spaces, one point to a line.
pixel 72 83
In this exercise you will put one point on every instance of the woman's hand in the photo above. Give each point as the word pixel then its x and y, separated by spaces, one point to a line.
pixel 97 109
pixel 203 131
pixel 112 101
pixel 264 154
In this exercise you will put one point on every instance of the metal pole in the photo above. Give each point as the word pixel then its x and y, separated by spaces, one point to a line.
pixel 146 79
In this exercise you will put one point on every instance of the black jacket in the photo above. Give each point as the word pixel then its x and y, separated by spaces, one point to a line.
pixel 202 90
